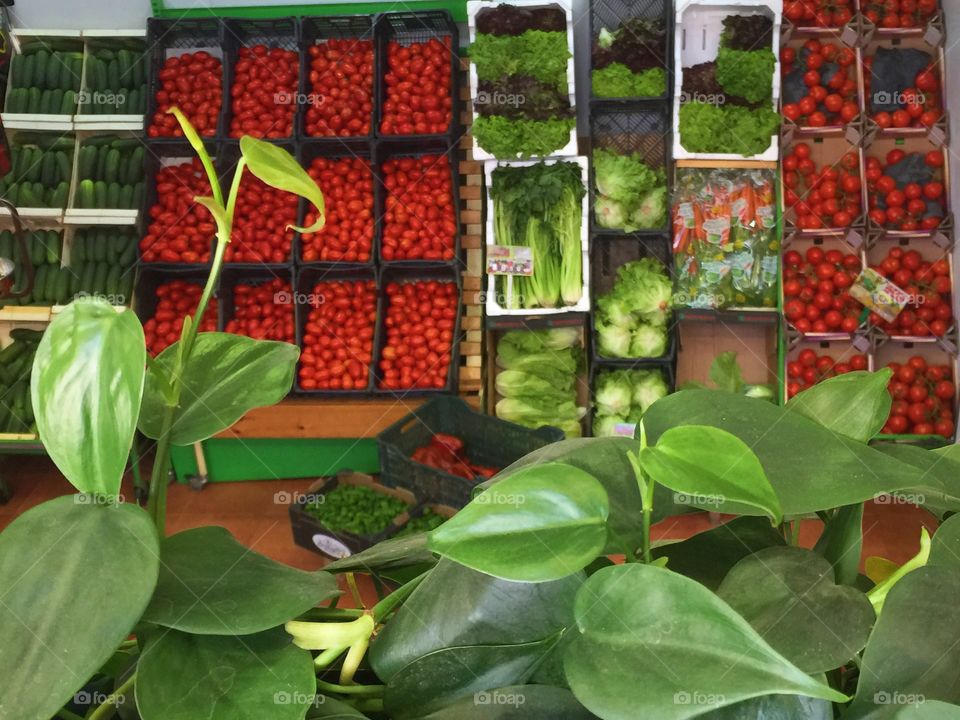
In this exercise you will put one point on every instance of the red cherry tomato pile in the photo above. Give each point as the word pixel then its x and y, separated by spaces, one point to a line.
pixel 174 300
pixel 338 336
pixel 193 83
pixel 347 235
pixel 341 88
pixel 816 288
pixel 892 14
pixel 833 102
pixel 919 106
pixel 922 399
pixel 809 369
pixel 826 198
pixel 418 100
pixel 180 229
pixel 419 325
pixel 420 220
pixel 930 311
pixel 263 312
pixel 902 205
pixel 263 95
pixel 819 13
pixel 262 214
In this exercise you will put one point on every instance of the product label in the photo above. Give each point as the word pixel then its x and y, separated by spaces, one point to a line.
pixel 767 216
pixel 685 211
pixel 331 546
pixel 718 230
pixel 509 260
pixel 879 294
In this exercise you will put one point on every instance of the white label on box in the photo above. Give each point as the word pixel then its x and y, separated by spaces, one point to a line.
pixel 510 260
pixel 331 546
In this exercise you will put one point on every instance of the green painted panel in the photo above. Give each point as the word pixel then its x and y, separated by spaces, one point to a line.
pixel 457 8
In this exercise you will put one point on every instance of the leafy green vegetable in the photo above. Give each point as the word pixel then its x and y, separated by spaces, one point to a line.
pixel 632 195
pixel 512 383
pixel 618 81
pixel 727 128
pixel 747 73
pixel 541 55
pixel 632 317
pixel 622 396
pixel 506 138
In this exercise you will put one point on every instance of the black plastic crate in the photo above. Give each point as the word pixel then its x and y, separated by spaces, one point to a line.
pixel 283 33
pixel 233 276
pixel 400 275
pixel 363 149
pixel 170 37
pixel 417 27
pixel 159 154
pixel 309 531
pixel 411 149
pixel 306 280
pixel 487 441
pixel 607 255
pixel 669 374
pixel 609 15
pixel 226 164
pixel 645 132
pixel 316 30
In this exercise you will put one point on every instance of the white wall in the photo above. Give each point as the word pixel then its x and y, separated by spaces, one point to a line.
pixel 81 14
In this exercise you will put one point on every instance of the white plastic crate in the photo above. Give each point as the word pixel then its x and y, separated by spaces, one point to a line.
pixel 37 121
pixel 473 7
pixel 493 307
pixel 697 29
pixel 118 121
pixel 92 216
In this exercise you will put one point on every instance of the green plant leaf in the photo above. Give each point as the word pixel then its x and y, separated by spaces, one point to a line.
pixel 540 523
pixel 190 133
pixel 455 606
pixel 226 376
pixel 708 556
pixel 212 585
pixel 711 469
pixel 684 653
pixel 841 543
pixel 606 460
pixel 278 168
pixel 789 596
pixel 86 392
pixel 945 546
pixel 774 707
pixel 855 404
pixel 783 441
pixel 74 579
pixel 937 486
pixel 913 650
pixel 725 372
pixel 391 554
pixel 219 677
pixel 454 673
pixel 329 708
pixel 517 702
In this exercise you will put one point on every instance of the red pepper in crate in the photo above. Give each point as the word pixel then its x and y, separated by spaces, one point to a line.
pixel 341 81
pixel 447 452
pixel 347 235
pixel 263 98
pixel 418 99
pixel 176 299
pixel 264 311
pixel 420 219
pixel 260 226
pixel 180 230
pixel 193 83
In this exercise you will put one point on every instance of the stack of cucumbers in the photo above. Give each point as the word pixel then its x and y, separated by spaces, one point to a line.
pixel 16 362
pixel 101 261
pixel 51 283
pixel 116 82
pixel 110 174
pixel 39 174
pixel 45 81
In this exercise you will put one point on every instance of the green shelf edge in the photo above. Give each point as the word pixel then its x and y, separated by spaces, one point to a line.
pixel 457 8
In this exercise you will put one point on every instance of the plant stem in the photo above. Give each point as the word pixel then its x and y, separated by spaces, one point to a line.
pixel 646 486
pixel 106 709
pixel 386 606
pixel 372 690
pixel 354 590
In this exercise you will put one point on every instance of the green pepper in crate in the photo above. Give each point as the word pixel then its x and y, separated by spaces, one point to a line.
pixel 425 522
pixel 355 509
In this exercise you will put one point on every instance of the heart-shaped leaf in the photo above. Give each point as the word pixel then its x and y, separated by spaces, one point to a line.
pixel 712 470
pixel 854 404
pixel 517 702
pixel 391 554
pixel 86 392
pixel 226 376
pixel 541 523
pixel 278 168
pixel 945 546
pixel 708 556
pixel 74 580
pixel 937 484
pixel 774 707
pixel 789 596
pixel 212 585
pixel 685 653
pixel 220 677
pixel 842 543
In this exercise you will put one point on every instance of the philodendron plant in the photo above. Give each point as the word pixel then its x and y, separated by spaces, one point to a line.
pixel 543 599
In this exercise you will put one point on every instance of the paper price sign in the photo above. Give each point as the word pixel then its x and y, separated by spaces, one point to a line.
pixel 509 260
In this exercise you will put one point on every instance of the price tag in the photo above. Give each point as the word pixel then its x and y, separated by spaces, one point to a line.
pixel 510 260
pixel 879 294
pixel 625 430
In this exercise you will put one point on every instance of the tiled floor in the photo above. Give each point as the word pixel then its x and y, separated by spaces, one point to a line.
pixel 256 513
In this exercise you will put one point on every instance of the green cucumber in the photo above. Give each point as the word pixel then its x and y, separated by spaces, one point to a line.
pixel 36 161
pixel 126 197
pixel 54 247
pixel 26 335
pixel 56 100
pixel 100 279
pixel 63 166
pixel 65 81
pixel 12 195
pixel 40 195
pixel 12 351
pixel 16 71
pixel 86 277
pixel 118 245
pixel 138 192
pixel 100 245
pixel 40 282
pixel 34 96
pixel 77 249
pixel 100 195
pixel 102 153
pixel 48 170
pixel 128 256
pixel 111 165
pixel 6 244
pixel 135 166
pixel 58 199
pixel 100 74
pixel 41 58
pixel 113 74
pixel 69 103
pixel 62 287
pixel 113 282
pixel 38 250
pixel 29 64
pixel 76 71
pixel 17 100
pixel 113 196
pixel 87 161
pixel 26 196
pixel 53 71
pixel 87 194
pixel 50 284
pixel 132 105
